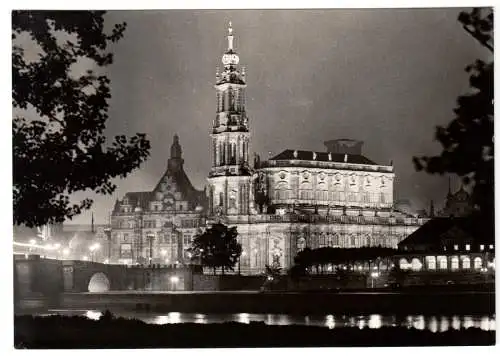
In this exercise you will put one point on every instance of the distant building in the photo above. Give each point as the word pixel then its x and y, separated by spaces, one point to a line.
pixel 157 226
pixel 448 244
pixel 457 204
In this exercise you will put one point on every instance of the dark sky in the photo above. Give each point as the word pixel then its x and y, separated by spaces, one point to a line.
pixel 386 77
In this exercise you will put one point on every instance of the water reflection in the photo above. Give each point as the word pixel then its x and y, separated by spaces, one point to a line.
pixel 330 321
pixel 375 321
pixel 444 325
pixel 434 323
pixel 244 318
pixel 455 322
pixel 93 315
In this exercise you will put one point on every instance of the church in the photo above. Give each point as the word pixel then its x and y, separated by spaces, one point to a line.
pixel 294 200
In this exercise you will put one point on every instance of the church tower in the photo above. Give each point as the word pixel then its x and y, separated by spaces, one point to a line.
pixel 229 178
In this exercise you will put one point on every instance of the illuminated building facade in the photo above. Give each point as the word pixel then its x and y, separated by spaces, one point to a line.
pixel 296 199
pixel 157 227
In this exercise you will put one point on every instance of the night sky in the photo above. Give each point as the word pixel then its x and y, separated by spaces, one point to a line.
pixel 386 77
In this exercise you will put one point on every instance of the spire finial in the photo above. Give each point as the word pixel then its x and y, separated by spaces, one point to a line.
pixel 230 36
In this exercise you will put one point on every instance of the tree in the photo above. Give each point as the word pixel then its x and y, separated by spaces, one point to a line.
pixel 63 150
pixel 467 141
pixel 217 247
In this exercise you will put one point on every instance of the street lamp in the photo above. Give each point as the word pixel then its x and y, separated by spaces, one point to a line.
pixel 92 249
pixel 107 231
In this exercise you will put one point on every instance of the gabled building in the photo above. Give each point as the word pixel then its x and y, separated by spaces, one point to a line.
pixel 157 226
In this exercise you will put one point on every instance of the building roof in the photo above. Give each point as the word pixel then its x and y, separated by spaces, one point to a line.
pixel 431 232
pixel 321 156
pixel 174 176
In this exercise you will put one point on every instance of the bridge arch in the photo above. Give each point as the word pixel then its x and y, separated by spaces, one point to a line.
pixel 98 283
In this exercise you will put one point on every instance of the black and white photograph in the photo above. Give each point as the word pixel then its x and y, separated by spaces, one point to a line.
pixel 242 178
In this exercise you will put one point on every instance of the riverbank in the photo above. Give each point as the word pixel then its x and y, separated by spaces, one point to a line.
pixel 57 332
pixel 298 303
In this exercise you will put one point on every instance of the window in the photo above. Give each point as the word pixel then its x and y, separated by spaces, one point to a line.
pixel 491 247
pixel 478 263
pixel 301 244
pixel 431 262
pixel 322 195
pixel 442 261
pixel 454 263
pixel 455 247
pixel 306 194
pixel 416 265
pixel 125 237
pixel 467 247
pixel 466 263
pixel 221 199
pixel 481 247
pixel 403 263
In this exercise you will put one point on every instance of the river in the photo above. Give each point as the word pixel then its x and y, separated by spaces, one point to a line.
pixel 434 323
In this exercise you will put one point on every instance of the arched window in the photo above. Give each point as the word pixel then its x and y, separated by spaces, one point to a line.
pixel 329 240
pixel 403 263
pixel 454 263
pixel 478 263
pixel 322 240
pixel 465 262
pixel 416 265
pixel 353 241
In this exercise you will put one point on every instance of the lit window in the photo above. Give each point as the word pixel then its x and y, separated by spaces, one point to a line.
pixel 478 263
pixel 466 263
pixel 467 247
pixel 454 263
pixel 491 247
pixel 443 263
pixel 455 247
pixel 431 262
pixel 481 247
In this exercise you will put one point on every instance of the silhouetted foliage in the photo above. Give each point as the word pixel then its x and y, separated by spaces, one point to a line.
pixel 217 247
pixel 468 148
pixel 63 150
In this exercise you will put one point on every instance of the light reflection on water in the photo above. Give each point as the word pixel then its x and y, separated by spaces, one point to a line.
pixel 373 321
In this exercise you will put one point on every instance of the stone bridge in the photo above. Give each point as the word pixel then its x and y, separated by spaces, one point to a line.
pixel 38 277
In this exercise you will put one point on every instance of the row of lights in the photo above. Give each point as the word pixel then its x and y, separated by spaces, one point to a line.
pixel 56 247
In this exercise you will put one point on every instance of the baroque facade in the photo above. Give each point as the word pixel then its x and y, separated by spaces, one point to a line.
pixel 296 199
